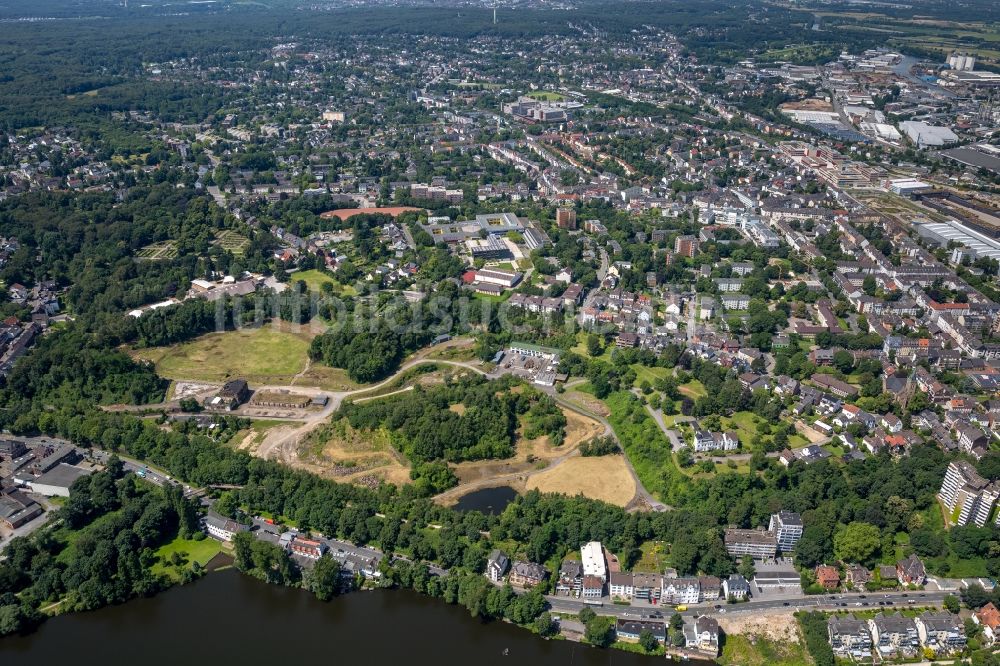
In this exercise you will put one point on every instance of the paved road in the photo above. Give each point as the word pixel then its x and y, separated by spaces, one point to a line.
pixel 676 443
pixel 605 265
pixel 337 548
pixel 845 602
pixel 281 443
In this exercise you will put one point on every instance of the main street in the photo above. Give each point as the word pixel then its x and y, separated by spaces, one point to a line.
pixel 844 602
pixel 769 603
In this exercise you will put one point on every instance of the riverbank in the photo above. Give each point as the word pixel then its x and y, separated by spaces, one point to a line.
pixel 233 618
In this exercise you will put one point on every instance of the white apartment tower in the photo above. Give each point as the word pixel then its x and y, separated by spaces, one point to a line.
pixel 787 528
pixel 969 497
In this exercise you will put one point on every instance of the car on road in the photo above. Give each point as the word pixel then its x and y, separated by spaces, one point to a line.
pixel 785 604
pixel 717 606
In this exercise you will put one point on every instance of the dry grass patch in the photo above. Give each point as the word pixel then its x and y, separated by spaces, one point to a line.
pixel 603 478
pixel 325 377
pixel 588 402
pixel 809 432
pixel 261 355
pixel 354 456
pixel 579 429
pixel 755 640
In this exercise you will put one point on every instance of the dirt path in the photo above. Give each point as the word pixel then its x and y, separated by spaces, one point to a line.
pixel 643 499
pixel 282 443
pixel 302 372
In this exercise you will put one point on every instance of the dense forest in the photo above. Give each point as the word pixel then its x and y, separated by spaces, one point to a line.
pixel 426 426
pixel 116 522
pixel 88 243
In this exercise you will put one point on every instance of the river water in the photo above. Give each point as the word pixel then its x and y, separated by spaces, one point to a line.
pixel 228 618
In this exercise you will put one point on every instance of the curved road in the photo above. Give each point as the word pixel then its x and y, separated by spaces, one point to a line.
pixel 280 444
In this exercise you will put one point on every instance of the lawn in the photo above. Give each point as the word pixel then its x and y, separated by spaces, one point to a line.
pixel 643 373
pixel 314 279
pixel 795 441
pixel 192 551
pixel 260 355
pixel 744 425
pixel 581 348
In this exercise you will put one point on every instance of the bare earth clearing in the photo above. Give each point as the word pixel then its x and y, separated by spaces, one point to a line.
pixel 606 478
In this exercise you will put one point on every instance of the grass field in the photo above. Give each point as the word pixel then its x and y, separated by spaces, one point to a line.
pixel 642 373
pixel 546 96
pixel 604 478
pixel 693 389
pixel 260 355
pixel 314 279
pixel 191 550
pixel 646 446
pixel 655 557
pixel 744 425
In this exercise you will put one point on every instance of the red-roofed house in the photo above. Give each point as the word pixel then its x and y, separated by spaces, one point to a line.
pixel 828 577
pixel 988 617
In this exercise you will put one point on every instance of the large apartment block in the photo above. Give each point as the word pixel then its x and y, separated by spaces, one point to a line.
pixel 969 497
pixel 759 544
pixel 787 528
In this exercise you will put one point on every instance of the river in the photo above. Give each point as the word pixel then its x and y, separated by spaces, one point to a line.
pixel 228 618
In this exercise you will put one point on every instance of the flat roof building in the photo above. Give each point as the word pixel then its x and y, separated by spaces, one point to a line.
pixel 756 543
pixel 592 555
pixel 57 481
pixel 787 529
